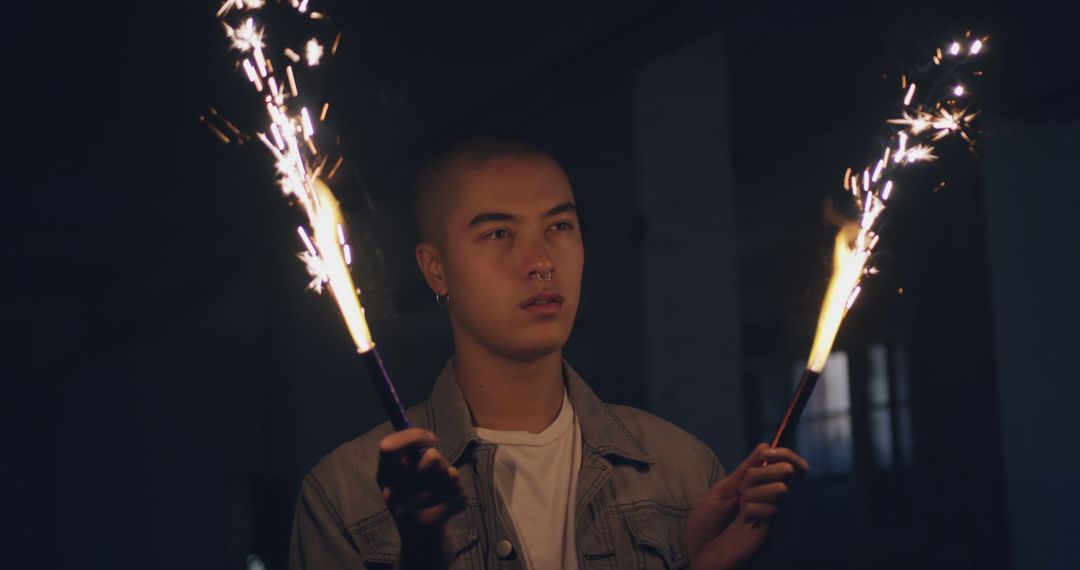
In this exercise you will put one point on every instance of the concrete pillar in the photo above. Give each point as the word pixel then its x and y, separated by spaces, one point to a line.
pixel 686 197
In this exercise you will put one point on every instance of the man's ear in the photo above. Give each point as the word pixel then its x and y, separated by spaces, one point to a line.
pixel 430 262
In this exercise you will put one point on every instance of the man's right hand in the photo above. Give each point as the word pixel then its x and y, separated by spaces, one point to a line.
pixel 423 491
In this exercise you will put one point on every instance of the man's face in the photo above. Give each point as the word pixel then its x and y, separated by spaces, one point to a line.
pixel 512 226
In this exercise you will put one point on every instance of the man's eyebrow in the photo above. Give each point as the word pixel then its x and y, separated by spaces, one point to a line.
pixel 491 217
pixel 564 208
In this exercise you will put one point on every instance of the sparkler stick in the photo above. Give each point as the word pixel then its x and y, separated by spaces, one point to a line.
pixel 921 125
pixel 290 138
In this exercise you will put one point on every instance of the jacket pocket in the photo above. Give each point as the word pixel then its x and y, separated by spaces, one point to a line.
pixel 465 528
pixel 659 535
pixel 377 539
pixel 379 543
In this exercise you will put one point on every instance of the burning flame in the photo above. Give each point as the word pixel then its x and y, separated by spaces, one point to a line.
pixel 333 251
pixel 849 264
pixel 290 138
pixel 921 126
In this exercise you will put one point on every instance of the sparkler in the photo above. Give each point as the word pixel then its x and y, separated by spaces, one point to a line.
pixel 290 138
pixel 942 114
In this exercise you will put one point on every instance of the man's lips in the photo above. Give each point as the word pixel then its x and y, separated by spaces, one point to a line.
pixel 545 303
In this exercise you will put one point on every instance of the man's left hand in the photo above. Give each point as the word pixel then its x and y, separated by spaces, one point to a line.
pixel 729 525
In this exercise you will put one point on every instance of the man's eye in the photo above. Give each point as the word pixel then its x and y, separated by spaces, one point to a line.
pixel 498 235
pixel 562 226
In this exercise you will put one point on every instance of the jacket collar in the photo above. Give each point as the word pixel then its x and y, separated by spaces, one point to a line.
pixel 601 430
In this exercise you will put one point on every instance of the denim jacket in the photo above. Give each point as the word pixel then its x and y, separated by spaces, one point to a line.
pixel 640 478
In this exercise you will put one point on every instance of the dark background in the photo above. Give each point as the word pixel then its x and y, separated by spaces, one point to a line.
pixel 167 380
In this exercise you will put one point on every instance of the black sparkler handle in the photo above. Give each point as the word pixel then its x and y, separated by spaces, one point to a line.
pixel 795 409
pixel 381 379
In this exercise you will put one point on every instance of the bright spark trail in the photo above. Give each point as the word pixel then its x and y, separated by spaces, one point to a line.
pixel 289 136
pixel 920 126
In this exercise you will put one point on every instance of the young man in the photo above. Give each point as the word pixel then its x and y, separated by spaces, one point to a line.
pixel 515 463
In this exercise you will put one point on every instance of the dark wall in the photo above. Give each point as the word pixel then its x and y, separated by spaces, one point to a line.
pixel 1030 196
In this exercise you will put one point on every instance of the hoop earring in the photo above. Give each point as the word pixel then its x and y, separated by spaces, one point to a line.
pixel 442 300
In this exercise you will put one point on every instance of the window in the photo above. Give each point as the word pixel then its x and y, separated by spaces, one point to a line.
pixel 890 415
pixel 881 410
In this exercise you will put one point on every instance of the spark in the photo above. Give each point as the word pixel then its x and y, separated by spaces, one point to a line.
pixel 910 95
pixel 954 48
pixel 316 269
pixel 313 52
pixel 239 5
pixel 307 241
pixel 260 61
pixel 916 124
pixel 901 148
pixel 920 153
pixel 335 168
pixel 292 81
pixel 245 37
pixel 851 299
pixel 278 140
pixel 252 75
pixel 976 47
pixel 306 122
pixel 220 135
pixel 958 91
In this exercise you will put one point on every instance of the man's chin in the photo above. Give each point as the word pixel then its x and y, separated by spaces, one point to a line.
pixel 525 342
pixel 536 348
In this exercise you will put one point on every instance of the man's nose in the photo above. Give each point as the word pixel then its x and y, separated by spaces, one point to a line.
pixel 537 261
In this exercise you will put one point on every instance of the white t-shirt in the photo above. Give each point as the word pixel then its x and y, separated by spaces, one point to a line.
pixel 536 477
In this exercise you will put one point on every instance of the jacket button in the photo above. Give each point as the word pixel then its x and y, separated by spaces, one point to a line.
pixel 503 549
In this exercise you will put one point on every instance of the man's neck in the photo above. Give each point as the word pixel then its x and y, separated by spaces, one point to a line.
pixel 510 395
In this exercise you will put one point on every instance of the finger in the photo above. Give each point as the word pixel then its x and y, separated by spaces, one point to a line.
pixel 440 489
pixel 783 454
pixel 433 470
pixel 430 464
pixel 729 486
pixel 400 441
pixel 768 474
pixel 395 448
pixel 759 512
pixel 417 498
pixel 431 497
pixel 413 492
pixel 771 493
pixel 440 513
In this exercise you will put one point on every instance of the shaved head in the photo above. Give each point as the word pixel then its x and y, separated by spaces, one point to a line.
pixel 499 226
pixel 439 180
